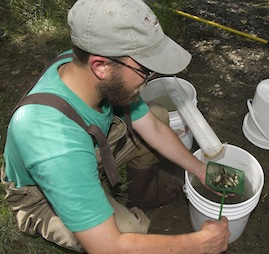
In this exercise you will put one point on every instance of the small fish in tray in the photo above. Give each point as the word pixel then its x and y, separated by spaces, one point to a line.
pixel 224 178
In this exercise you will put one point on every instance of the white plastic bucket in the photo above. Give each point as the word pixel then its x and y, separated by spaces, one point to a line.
pixel 256 122
pixel 253 134
pixel 202 209
pixel 260 106
pixel 154 91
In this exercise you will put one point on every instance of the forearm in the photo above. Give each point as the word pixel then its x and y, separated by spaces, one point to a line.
pixel 145 244
pixel 106 238
pixel 168 144
pixel 164 140
pixel 212 238
pixel 174 150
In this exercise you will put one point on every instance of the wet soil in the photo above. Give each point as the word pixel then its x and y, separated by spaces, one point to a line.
pixel 225 71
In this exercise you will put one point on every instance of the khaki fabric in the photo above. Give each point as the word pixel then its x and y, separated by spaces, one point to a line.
pixel 141 156
pixel 36 216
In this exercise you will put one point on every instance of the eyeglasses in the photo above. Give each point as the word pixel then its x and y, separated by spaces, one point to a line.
pixel 147 74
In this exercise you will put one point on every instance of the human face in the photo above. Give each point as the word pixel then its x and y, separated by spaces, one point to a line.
pixel 117 91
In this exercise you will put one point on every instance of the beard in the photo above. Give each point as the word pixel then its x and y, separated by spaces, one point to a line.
pixel 116 91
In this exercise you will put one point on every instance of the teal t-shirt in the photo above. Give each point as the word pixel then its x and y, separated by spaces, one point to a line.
pixel 46 148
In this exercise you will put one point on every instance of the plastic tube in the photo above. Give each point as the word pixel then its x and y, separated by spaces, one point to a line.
pixel 202 132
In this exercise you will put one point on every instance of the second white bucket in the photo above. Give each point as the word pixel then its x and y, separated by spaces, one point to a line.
pixel 202 209
pixel 154 91
pixel 256 121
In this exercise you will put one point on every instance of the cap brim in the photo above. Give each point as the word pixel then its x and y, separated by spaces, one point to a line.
pixel 167 57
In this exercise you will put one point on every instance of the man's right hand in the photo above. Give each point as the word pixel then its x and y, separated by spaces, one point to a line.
pixel 214 236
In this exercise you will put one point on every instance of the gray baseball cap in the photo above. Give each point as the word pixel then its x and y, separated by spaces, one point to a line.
pixel 125 28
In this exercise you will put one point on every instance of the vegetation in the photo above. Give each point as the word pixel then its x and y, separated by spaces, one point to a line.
pixel 32 32
pixel 37 23
pixel 168 20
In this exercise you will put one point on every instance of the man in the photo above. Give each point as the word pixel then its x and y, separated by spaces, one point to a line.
pixel 51 164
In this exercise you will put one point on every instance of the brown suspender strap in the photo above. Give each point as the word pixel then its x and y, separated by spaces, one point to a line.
pixel 93 130
pixel 39 76
pixel 126 109
pixel 106 155
pixel 128 122
pixel 127 119
pixel 108 160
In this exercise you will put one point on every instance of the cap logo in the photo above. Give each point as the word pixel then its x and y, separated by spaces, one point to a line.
pixel 153 22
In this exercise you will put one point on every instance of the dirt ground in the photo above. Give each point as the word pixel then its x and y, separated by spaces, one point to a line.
pixel 225 70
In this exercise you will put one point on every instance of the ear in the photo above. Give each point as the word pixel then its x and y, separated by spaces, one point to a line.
pixel 99 66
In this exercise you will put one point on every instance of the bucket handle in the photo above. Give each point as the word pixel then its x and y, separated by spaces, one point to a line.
pixel 252 114
pixel 184 189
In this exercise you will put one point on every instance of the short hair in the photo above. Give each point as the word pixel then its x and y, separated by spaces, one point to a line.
pixel 80 57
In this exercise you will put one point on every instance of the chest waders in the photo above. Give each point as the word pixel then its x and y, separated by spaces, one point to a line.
pixel 48 99
pixel 145 186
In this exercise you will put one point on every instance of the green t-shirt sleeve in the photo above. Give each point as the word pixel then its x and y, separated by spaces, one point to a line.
pixel 74 190
pixel 138 109
pixel 60 157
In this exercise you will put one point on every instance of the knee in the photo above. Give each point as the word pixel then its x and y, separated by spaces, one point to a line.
pixel 159 111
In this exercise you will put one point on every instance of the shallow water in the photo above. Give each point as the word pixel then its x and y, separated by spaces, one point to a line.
pixel 236 198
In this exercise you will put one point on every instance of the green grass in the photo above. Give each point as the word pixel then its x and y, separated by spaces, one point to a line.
pixel 168 19
pixel 32 32
pixel 40 21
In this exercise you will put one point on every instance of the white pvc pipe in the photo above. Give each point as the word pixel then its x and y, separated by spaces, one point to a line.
pixel 202 132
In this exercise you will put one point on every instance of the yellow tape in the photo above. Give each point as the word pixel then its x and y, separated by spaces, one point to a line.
pixel 220 26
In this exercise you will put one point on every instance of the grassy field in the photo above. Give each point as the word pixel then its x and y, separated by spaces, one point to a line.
pixel 32 32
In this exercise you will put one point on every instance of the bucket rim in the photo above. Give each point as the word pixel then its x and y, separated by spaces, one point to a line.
pixel 194 99
pixel 262 91
pixel 254 136
pixel 211 209
pixel 251 202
